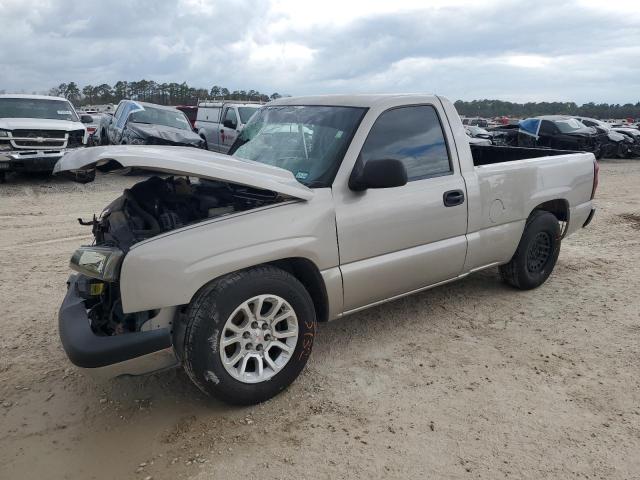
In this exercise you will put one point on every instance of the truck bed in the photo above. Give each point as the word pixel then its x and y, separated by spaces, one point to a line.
pixel 490 154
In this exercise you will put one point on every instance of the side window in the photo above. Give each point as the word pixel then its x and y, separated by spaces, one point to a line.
pixel 547 128
pixel 119 110
pixel 412 135
pixel 230 115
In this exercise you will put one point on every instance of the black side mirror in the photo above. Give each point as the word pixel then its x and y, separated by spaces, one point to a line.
pixel 229 124
pixel 386 173
pixel 86 118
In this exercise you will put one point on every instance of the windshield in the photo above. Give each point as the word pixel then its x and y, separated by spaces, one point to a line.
pixel 309 141
pixel 246 112
pixel 569 125
pixel 37 108
pixel 160 116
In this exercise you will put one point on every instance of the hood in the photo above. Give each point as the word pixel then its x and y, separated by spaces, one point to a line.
pixel 188 161
pixel 38 124
pixel 583 132
pixel 615 136
pixel 169 134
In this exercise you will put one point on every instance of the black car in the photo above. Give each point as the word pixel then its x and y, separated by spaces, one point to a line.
pixel 141 123
pixel 616 144
pixel 561 133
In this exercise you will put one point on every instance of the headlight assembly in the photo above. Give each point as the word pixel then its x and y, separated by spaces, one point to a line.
pixel 97 262
pixel 4 133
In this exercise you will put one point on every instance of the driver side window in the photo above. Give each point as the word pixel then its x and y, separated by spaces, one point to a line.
pixel 230 115
pixel 412 135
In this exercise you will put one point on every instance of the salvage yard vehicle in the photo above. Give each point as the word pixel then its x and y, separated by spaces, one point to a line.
pixel 219 123
pixel 560 132
pixel 36 130
pixel 326 206
pixel 615 144
pixel 632 135
pixel 141 123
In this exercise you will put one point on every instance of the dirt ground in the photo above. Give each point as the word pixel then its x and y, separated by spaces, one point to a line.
pixel 470 380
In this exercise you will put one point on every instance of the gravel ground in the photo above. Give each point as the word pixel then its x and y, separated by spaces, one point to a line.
pixel 469 380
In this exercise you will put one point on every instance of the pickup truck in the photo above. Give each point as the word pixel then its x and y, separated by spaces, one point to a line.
pixel 36 130
pixel 327 205
pixel 219 123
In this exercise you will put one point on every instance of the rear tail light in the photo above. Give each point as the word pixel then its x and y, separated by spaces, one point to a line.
pixel 91 130
pixel 596 178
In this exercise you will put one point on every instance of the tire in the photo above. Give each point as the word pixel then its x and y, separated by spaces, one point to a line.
pixel 220 303
pixel 536 254
pixel 104 140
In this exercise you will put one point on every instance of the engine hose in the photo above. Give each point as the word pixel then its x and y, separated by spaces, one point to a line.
pixel 146 216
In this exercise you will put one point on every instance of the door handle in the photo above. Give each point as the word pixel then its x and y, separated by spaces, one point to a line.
pixel 453 198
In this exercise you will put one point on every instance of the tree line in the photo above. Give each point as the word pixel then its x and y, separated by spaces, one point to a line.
pixel 150 91
pixel 496 108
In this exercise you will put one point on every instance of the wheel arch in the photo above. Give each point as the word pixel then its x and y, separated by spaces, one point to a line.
pixel 558 207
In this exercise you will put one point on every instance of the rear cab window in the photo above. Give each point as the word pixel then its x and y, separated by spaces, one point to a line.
pixel 413 135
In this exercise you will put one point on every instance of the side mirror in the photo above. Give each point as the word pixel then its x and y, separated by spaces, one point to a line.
pixel 229 124
pixel 86 118
pixel 386 173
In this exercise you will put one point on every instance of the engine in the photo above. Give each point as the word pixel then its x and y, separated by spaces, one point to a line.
pixel 158 205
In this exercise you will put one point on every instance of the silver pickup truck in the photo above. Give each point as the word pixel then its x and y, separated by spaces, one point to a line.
pixel 327 205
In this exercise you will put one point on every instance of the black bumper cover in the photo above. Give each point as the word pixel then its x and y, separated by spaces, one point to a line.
pixel 87 350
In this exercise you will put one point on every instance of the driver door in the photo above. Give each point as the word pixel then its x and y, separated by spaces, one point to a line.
pixel 228 126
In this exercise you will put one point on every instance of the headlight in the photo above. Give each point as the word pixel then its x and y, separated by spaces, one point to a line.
pixel 97 262
pixel 4 133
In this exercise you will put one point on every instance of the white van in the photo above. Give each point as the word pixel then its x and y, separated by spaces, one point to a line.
pixel 219 123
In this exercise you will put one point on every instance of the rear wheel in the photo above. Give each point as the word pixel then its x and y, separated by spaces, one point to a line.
pixel 536 254
pixel 249 335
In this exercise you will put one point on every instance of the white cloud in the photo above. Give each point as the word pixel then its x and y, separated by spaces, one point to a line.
pixel 578 50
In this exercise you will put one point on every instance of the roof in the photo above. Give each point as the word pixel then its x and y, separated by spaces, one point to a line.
pixel 554 117
pixel 33 97
pixel 358 100
pixel 153 105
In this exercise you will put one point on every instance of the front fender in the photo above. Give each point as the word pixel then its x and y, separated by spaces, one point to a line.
pixel 169 270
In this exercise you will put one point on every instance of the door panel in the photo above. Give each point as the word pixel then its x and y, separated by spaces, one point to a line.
pixel 228 135
pixel 400 239
pixel 396 240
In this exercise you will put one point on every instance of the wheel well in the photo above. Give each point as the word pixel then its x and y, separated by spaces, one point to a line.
pixel 309 275
pixel 560 208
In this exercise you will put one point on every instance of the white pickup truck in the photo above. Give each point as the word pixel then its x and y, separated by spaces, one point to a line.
pixel 219 123
pixel 327 205
pixel 36 130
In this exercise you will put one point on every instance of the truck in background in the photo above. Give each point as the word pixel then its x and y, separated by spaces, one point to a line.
pixel 220 123
pixel 36 131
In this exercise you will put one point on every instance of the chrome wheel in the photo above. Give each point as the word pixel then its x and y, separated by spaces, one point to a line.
pixel 259 338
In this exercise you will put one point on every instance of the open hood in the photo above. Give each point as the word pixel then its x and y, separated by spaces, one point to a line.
pixel 190 162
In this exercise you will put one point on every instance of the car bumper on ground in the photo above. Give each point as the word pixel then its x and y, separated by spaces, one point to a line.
pixel 127 354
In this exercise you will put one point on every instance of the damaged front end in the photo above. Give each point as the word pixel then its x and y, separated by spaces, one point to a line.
pixel 96 329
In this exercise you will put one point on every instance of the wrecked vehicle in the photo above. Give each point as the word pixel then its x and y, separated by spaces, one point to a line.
pixel 616 144
pixel 36 130
pixel 633 136
pixel 326 206
pixel 141 123
pixel 560 132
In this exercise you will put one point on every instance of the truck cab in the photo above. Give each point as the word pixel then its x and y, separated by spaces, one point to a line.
pixel 219 123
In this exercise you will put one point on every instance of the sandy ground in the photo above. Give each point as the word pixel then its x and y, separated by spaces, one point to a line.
pixel 470 380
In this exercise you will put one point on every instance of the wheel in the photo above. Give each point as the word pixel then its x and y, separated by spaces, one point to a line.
pixel 104 140
pixel 536 254
pixel 249 335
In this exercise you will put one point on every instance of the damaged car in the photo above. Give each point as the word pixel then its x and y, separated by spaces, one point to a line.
pixel 560 132
pixel 141 123
pixel 616 144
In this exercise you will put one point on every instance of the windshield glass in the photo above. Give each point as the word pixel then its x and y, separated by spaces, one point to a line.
pixel 160 116
pixel 246 112
pixel 37 108
pixel 569 125
pixel 309 141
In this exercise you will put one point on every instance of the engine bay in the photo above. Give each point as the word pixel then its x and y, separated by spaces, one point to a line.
pixel 147 209
pixel 158 205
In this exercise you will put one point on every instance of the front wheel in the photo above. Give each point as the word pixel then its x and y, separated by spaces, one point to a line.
pixel 249 335
pixel 536 254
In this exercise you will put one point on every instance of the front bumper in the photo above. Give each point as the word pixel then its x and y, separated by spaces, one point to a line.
pixel 127 354
pixel 30 160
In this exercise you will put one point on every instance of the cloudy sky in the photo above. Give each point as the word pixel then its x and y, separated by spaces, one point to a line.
pixel 519 50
